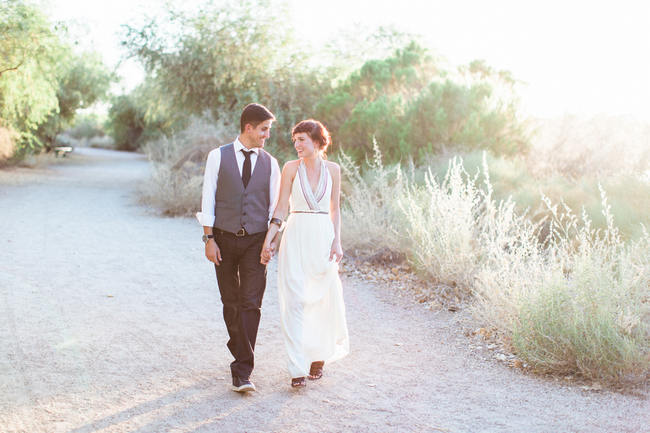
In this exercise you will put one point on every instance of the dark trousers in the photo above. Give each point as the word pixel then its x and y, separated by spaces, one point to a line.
pixel 242 280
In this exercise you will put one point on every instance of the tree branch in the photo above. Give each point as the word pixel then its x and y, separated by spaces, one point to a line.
pixel 11 69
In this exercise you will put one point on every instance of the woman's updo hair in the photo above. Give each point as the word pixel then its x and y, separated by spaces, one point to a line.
pixel 316 131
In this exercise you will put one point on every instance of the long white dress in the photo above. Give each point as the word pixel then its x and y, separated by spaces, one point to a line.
pixel 310 294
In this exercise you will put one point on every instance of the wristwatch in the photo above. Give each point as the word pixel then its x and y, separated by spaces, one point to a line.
pixel 207 237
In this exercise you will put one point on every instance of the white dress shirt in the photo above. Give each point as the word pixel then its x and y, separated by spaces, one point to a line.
pixel 206 216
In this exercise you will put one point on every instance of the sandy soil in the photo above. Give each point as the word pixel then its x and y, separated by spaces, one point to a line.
pixel 110 321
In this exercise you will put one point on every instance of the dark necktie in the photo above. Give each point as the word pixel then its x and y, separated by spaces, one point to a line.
pixel 246 171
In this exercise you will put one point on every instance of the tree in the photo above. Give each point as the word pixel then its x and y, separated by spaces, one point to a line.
pixel 372 101
pixel 83 80
pixel 413 108
pixel 215 59
pixel 42 81
pixel 475 111
pixel 29 48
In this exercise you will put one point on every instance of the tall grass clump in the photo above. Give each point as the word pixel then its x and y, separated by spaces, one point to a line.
pixel 563 295
pixel 440 225
pixel 578 303
pixel 371 210
pixel 178 161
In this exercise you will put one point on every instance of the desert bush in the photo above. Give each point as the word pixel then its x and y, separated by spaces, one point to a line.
pixel 448 115
pixel 565 296
pixel 173 192
pixel 578 304
pixel 370 208
pixel 414 107
pixel 517 177
pixel 178 162
pixel 441 219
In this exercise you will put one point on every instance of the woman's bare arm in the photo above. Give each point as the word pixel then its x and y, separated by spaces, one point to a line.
pixel 281 209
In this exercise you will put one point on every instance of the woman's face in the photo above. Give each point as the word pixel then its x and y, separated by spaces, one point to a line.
pixel 305 146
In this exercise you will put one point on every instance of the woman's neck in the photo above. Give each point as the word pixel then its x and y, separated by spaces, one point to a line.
pixel 312 161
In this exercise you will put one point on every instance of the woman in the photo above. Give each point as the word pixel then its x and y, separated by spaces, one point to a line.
pixel 309 289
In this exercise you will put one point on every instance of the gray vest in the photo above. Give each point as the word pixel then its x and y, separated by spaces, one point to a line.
pixel 236 207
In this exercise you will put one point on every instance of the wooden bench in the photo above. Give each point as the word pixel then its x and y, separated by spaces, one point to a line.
pixel 62 150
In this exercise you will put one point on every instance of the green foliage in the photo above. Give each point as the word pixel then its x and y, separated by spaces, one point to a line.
pixel 379 119
pixel 414 108
pixel 291 95
pixel 215 59
pixel 372 101
pixel 126 122
pixel 86 126
pixel 83 79
pixel 42 82
pixel 29 49
pixel 218 58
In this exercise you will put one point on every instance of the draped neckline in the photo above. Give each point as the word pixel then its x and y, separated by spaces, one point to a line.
pixel 313 197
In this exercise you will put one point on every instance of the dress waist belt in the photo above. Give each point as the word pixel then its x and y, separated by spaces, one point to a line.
pixel 310 211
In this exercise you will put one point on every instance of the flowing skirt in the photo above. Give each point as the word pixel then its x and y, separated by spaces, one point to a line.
pixel 310 294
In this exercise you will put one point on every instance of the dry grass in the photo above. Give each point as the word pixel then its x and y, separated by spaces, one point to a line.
pixel 178 163
pixel 576 299
pixel 372 218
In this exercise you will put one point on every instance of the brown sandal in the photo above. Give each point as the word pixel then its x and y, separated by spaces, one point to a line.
pixel 298 382
pixel 316 370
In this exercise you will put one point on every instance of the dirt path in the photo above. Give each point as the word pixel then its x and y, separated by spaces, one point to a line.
pixel 110 321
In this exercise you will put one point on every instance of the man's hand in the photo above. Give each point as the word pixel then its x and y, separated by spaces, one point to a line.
pixel 212 252
pixel 268 251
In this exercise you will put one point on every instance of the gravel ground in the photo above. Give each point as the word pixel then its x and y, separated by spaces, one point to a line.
pixel 110 321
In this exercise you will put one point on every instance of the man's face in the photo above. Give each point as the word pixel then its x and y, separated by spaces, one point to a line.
pixel 256 137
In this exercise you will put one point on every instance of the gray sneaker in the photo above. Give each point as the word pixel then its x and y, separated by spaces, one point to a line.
pixel 242 385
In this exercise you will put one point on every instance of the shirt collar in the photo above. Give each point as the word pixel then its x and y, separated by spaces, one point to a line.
pixel 239 146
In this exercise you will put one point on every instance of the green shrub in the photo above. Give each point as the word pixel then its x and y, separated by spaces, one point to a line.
pixel 86 127
pixel 126 123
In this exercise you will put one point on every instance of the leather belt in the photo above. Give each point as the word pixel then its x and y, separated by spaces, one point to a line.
pixel 241 233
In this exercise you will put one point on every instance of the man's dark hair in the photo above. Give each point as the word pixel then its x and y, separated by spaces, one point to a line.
pixel 254 114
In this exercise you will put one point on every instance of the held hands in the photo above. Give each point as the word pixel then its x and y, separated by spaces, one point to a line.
pixel 336 252
pixel 268 251
pixel 212 252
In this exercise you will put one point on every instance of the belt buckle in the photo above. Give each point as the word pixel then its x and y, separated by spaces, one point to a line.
pixel 241 232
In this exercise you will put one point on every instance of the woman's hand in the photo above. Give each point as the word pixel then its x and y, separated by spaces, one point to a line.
pixel 268 251
pixel 336 252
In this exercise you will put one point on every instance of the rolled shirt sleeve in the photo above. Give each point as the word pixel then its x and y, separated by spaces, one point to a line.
pixel 274 186
pixel 206 216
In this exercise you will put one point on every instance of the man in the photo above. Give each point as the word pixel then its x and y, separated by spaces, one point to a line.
pixel 240 190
